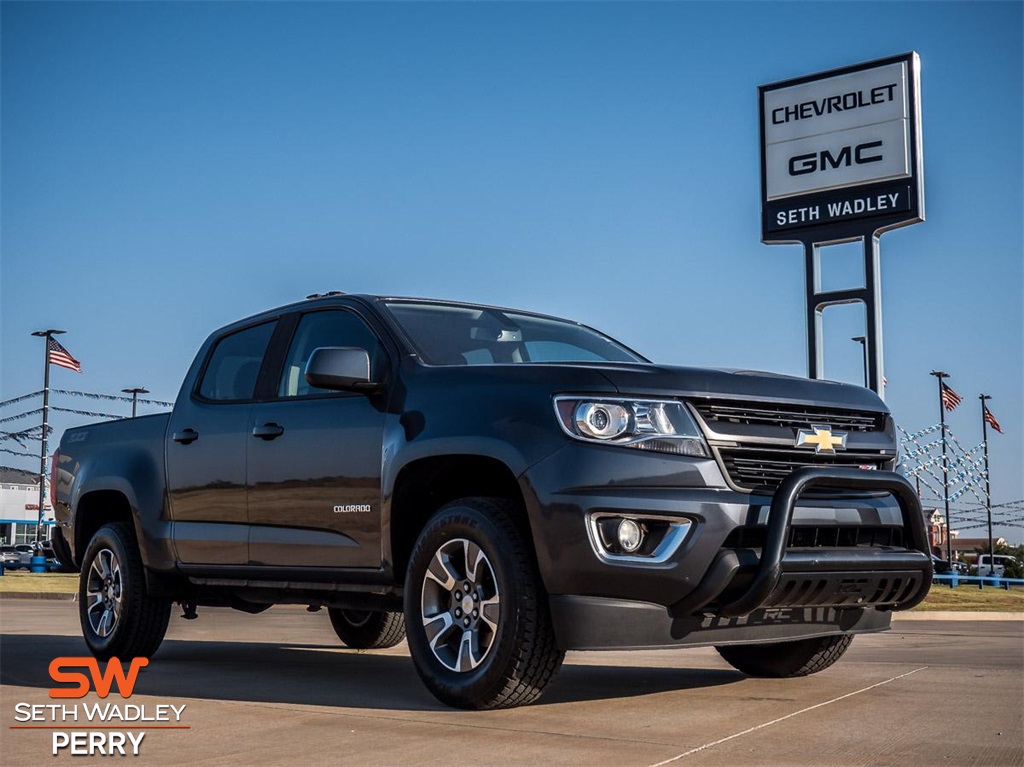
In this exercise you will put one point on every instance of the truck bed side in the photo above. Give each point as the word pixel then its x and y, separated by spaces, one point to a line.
pixel 115 471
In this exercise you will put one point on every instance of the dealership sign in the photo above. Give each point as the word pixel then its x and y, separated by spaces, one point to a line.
pixel 841 150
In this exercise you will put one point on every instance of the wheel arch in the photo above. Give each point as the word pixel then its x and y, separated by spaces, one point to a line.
pixel 95 509
pixel 425 485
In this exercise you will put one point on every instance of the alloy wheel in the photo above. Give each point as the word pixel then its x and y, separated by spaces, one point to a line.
pixel 104 591
pixel 460 605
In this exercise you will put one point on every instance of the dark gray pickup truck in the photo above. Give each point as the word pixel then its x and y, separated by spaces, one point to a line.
pixel 499 487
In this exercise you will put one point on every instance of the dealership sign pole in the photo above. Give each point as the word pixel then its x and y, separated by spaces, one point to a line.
pixel 841 162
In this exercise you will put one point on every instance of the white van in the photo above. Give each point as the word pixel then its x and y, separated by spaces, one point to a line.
pixel 998 566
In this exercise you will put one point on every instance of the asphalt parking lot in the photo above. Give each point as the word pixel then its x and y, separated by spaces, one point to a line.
pixel 278 689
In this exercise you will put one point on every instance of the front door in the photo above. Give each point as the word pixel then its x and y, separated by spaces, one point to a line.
pixel 314 460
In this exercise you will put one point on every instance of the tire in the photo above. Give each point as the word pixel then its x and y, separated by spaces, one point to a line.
pixel 786 659
pixel 507 655
pixel 367 629
pixel 118 618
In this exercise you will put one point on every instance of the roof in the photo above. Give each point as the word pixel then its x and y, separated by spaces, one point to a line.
pixel 969 544
pixel 18 476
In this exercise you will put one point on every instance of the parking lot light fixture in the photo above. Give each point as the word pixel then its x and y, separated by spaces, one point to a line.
pixel 135 396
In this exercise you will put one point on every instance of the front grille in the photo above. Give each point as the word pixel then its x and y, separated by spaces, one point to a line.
pixel 788 416
pixel 764 469
pixel 820 537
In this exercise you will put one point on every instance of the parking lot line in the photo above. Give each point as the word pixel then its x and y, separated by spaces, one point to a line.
pixel 761 726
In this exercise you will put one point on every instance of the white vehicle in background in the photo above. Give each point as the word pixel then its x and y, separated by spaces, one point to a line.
pixel 989 568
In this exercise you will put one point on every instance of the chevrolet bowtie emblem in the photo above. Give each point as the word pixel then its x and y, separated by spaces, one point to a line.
pixel 822 438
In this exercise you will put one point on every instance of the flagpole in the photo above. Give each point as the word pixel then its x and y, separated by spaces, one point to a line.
pixel 45 334
pixel 988 487
pixel 939 374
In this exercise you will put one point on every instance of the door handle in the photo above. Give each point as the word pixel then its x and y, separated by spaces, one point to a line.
pixel 186 436
pixel 268 431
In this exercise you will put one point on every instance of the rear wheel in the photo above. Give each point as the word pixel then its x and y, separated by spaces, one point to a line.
pixel 479 629
pixel 367 629
pixel 786 659
pixel 119 619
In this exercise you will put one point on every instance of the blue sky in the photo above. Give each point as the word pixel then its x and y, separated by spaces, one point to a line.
pixel 168 168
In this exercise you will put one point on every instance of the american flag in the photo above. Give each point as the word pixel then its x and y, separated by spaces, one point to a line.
pixel 950 399
pixel 991 419
pixel 58 355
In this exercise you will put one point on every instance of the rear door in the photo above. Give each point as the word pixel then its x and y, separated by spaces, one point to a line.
pixel 314 458
pixel 207 441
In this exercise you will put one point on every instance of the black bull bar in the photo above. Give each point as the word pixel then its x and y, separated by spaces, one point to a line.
pixel 896 580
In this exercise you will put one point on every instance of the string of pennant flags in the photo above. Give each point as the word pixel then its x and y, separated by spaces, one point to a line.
pixel 110 397
pixel 31 433
pixel 16 452
pixel 86 395
pixel 73 411
pixel 37 411
pixel 19 416
pixel 1009 514
pixel 965 475
pixel 22 398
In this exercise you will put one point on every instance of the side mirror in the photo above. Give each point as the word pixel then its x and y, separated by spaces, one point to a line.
pixel 340 368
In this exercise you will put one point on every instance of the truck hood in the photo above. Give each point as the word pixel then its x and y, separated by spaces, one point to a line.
pixel 664 380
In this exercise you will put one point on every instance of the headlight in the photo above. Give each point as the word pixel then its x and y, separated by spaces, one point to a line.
pixel 662 425
pixel 601 420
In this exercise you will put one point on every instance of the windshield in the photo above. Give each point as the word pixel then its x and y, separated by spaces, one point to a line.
pixel 469 335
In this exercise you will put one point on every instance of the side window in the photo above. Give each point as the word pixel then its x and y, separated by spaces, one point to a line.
pixel 235 364
pixel 316 329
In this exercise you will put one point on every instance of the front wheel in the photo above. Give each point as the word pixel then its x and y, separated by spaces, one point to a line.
pixel 786 659
pixel 119 619
pixel 477 618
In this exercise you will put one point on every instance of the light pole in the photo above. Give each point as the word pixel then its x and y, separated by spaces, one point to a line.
pixel 135 396
pixel 47 334
pixel 863 341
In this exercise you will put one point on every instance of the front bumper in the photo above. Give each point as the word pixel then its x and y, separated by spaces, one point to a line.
pixel 707 577
pixel 593 623
pixel 897 580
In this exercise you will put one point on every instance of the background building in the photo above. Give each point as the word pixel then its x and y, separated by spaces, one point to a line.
pixel 937 532
pixel 19 506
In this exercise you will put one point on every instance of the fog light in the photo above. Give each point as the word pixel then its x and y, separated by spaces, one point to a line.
pixel 630 535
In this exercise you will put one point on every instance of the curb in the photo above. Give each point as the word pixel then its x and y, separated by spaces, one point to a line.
pixel 50 595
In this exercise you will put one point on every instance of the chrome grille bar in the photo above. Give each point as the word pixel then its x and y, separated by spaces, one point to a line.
pixel 788 415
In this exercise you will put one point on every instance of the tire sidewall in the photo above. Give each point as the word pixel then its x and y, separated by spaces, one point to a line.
pixel 378 630
pixel 368 618
pixel 465 688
